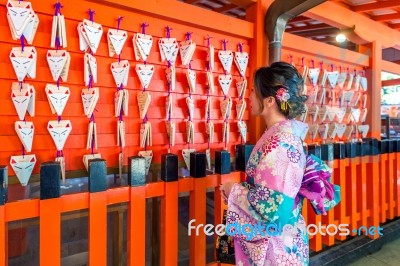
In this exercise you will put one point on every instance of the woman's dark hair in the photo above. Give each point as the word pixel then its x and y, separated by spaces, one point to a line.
pixel 268 80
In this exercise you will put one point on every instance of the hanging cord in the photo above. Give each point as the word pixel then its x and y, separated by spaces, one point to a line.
pixel 121 87
pixel 119 19
pixel 169 111
pixel 22 42
pixel 224 42
pixel 168 29
pixel 188 36
pixel 57 7
pixel 91 14
pixel 208 115
pixel 208 40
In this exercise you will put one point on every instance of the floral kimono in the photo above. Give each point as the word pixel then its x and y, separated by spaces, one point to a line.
pixel 279 176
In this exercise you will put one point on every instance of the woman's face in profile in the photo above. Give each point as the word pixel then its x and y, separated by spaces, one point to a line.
pixel 254 103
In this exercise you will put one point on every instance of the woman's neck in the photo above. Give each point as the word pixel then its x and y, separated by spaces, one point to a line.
pixel 273 119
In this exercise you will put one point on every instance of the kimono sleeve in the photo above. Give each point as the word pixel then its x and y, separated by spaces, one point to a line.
pixel 277 179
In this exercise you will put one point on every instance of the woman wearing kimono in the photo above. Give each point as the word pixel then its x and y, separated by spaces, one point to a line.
pixel 279 176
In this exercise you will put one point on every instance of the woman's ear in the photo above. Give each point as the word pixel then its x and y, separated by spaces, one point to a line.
pixel 269 101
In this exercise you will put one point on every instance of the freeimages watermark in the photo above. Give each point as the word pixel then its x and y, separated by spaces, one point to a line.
pixel 272 229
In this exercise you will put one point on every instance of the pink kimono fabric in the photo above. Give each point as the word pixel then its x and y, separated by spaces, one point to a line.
pixel 274 175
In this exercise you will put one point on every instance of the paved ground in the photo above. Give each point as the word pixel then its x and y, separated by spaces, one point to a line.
pixel 388 255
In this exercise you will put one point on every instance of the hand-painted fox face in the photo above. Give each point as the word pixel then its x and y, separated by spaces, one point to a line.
pixel 87 99
pixel 169 49
pixel 22 62
pixel 21 98
pixel 145 74
pixel 225 82
pixel 241 62
pixel 226 58
pixel 58 97
pixel 19 12
pixel 120 72
pixel 56 62
pixel 117 39
pixel 94 32
pixel 23 166
pixel 59 131
pixel 25 131
pixel 145 44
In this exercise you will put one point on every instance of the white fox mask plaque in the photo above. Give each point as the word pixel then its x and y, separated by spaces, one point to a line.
pixel 226 58
pixel 59 131
pixel 168 49
pixel 19 14
pixel 313 74
pixel 91 32
pixel 116 40
pixel 89 100
pixel 25 132
pixel 23 167
pixel 58 97
pixel 142 44
pixel 21 97
pixel 241 61
pixel 59 61
pixel 363 129
pixel 333 78
pixel 242 130
pixel 145 73
pixel 225 82
pixel 24 62
pixel 120 71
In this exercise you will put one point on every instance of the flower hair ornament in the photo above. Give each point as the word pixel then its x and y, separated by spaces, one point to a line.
pixel 283 96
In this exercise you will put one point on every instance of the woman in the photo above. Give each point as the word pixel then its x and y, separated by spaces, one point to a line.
pixel 275 171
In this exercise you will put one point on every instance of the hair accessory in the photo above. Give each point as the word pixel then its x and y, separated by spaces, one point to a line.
pixel 283 96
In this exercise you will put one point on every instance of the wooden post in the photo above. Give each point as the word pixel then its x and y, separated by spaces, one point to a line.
pixel 259 50
pixel 50 214
pixel 136 238
pixel 373 74
pixel 97 212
